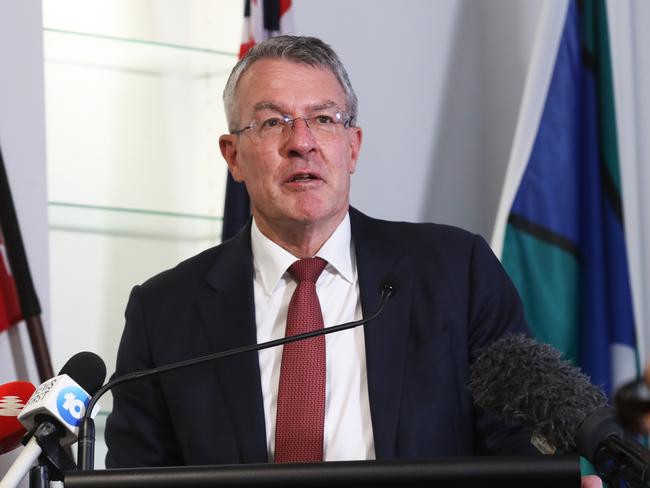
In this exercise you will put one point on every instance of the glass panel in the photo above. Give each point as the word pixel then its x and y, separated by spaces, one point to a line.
pixel 134 124
pixel 116 221
pixel 95 51
pixel 136 181
pixel 92 275
pixel 212 24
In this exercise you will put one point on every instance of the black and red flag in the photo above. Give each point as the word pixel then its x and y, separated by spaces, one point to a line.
pixel 18 299
pixel 262 19
pixel 10 313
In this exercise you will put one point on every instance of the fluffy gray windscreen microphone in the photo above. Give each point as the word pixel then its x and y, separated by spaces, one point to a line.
pixel 522 379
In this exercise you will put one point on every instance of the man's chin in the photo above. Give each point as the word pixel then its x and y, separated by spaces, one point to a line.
pixel 315 215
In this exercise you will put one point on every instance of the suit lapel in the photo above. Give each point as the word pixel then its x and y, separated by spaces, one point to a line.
pixel 378 254
pixel 227 311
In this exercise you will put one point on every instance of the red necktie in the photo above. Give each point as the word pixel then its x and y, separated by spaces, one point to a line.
pixel 301 394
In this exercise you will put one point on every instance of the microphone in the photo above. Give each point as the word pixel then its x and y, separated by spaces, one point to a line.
pixel 53 412
pixel 527 381
pixel 64 398
pixel 13 397
pixel 388 286
pixel 632 402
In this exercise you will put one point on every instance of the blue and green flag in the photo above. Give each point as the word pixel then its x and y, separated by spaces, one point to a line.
pixel 564 242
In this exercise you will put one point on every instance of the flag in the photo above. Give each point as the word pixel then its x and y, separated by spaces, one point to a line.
pixel 18 299
pixel 262 19
pixel 560 222
pixel 17 296
pixel 10 313
pixel 9 306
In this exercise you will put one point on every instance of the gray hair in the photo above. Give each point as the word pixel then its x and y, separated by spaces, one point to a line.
pixel 299 49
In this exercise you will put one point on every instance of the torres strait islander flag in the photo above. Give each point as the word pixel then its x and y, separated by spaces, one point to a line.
pixel 560 221
pixel 262 19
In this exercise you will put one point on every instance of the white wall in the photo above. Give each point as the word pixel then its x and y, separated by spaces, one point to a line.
pixel 439 83
pixel 22 138
pixel 629 37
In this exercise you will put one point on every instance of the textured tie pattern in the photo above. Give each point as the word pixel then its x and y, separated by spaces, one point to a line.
pixel 301 394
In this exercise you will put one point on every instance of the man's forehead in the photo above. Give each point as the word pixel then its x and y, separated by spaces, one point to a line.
pixel 274 82
pixel 283 64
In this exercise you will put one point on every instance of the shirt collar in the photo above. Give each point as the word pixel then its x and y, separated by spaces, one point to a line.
pixel 271 261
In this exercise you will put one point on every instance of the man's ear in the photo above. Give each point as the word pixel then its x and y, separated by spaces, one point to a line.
pixel 356 137
pixel 228 144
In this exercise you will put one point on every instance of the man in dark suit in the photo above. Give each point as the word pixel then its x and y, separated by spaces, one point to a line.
pixel 395 388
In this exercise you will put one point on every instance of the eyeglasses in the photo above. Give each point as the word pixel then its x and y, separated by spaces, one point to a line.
pixel 322 125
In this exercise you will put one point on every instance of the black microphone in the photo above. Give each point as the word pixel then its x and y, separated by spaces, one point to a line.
pixel 62 399
pixel 632 402
pixel 527 381
pixel 522 379
pixel 87 369
pixel 85 455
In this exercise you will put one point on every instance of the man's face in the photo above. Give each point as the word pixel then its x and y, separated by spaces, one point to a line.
pixel 300 177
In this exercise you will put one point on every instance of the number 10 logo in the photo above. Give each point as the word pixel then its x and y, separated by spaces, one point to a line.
pixel 71 404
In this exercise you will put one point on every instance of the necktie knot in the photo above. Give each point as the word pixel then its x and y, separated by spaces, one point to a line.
pixel 308 269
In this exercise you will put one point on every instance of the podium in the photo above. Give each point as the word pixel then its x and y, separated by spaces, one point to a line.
pixel 488 471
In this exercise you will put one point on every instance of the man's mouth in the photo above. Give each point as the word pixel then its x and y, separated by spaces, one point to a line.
pixel 303 178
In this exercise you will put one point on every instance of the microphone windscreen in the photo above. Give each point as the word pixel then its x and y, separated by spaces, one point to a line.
pixel 87 369
pixel 13 397
pixel 529 382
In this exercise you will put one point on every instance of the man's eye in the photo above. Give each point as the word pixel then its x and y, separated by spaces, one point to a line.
pixel 324 119
pixel 271 123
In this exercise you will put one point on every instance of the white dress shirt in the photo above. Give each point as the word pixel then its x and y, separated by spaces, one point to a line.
pixel 348 428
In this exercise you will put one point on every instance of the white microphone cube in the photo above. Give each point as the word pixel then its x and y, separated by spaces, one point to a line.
pixel 60 398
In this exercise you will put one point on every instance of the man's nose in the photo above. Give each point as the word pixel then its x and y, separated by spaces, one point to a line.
pixel 300 140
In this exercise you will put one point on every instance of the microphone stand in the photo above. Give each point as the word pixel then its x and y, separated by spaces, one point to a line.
pixel 86 445
pixel 53 460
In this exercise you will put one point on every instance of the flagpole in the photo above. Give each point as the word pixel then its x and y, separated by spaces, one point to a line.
pixel 29 304
pixel 39 347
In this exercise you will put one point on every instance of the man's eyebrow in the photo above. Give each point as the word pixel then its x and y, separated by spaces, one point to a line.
pixel 325 105
pixel 266 105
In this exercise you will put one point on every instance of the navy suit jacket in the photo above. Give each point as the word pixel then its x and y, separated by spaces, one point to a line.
pixel 453 298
